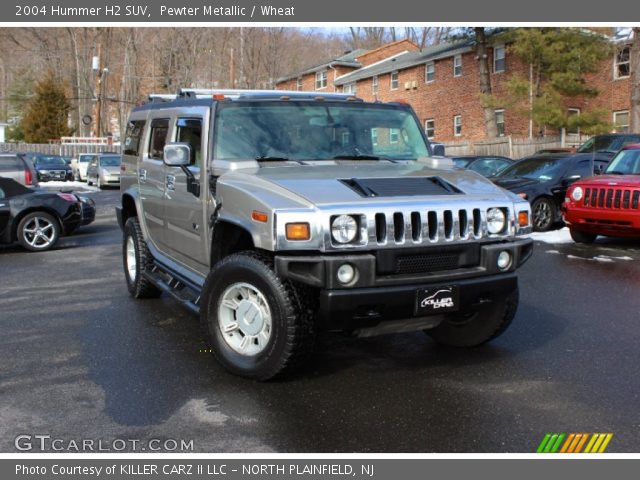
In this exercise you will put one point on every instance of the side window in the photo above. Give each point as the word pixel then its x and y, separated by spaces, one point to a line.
pixel 133 137
pixel 2 195
pixel 159 130
pixel 189 130
pixel 583 168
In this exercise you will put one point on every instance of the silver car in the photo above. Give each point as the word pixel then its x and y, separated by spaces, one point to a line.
pixel 104 170
pixel 79 166
pixel 18 168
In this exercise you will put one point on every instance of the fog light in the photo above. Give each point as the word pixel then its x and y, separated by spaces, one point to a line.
pixel 504 260
pixel 346 274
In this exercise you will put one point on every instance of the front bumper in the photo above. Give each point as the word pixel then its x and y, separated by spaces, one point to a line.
pixel 611 222
pixel 378 293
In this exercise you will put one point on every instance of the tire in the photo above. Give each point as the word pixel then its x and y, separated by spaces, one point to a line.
pixel 471 330
pixel 582 237
pixel 543 212
pixel 136 259
pixel 38 231
pixel 280 341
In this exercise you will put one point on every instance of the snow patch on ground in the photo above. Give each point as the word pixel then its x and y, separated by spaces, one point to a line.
pixel 554 236
pixel 79 186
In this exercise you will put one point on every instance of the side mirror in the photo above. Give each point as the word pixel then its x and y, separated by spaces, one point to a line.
pixel 438 149
pixel 177 154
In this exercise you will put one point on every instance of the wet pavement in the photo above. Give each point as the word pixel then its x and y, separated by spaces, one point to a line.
pixel 80 359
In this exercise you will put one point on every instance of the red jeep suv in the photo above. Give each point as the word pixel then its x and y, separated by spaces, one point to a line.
pixel 606 204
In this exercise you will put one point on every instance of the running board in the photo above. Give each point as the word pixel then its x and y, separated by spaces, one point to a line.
pixel 185 292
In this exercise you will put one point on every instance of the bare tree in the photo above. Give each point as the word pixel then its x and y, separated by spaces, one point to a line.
pixel 488 108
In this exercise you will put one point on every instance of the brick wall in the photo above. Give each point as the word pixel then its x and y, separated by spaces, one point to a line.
pixel 309 80
pixel 386 51
pixel 448 96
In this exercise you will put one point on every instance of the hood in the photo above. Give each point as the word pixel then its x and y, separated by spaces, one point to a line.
pixel 593 155
pixel 111 170
pixel 52 167
pixel 329 185
pixel 630 181
pixel 516 184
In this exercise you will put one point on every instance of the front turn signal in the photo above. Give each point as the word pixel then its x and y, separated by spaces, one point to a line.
pixel 523 219
pixel 298 231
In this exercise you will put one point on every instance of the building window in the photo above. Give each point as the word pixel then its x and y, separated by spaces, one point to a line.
pixel 621 67
pixel 374 85
pixel 299 83
pixel 349 88
pixel 498 59
pixel 394 80
pixel 457 125
pixel 457 65
pixel 374 137
pixel 430 72
pixel 430 128
pixel 321 80
pixel 573 128
pixel 394 135
pixel 621 121
pixel 500 122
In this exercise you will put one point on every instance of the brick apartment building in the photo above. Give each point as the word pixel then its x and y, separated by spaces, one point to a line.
pixel 442 84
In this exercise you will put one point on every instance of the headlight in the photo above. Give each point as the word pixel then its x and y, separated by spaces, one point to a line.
pixel 44 171
pixel 576 195
pixel 344 228
pixel 496 220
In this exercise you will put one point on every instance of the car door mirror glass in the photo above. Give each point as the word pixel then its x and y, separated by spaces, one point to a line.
pixel 438 149
pixel 177 154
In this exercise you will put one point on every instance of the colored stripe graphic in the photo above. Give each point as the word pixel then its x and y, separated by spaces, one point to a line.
pixel 574 443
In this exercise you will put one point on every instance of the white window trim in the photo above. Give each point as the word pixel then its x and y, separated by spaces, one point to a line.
pixel 615 65
pixel 326 80
pixel 578 112
pixel 397 135
pixel 455 58
pixel 391 80
pixel 504 58
pixel 455 133
pixel 374 85
pixel 504 123
pixel 620 112
pixel 299 84
pixel 351 86
pixel 426 130
pixel 426 72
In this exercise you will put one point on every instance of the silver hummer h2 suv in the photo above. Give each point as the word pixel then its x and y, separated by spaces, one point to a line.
pixel 277 214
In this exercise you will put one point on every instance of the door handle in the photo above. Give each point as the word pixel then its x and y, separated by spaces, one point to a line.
pixel 142 175
pixel 170 182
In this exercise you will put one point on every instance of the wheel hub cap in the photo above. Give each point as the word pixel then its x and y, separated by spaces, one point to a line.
pixel 244 319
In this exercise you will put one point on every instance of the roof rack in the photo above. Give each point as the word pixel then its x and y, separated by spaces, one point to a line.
pixel 233 94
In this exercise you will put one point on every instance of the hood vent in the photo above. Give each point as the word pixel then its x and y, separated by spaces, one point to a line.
pixel 400 187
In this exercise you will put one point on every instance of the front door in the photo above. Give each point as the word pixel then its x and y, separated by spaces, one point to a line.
pixel 151 179
pixel 184 213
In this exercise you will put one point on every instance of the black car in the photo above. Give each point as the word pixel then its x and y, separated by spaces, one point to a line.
pixel 52 167
pixel 485 165
pixel 604 147
pixel 543 180
pixel 36 218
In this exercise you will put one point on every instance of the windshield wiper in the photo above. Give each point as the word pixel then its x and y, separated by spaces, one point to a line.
pixel 272 159
pixel 357 157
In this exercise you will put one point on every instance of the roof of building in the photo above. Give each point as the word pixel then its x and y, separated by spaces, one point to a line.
pixel 348 59
pixel 406 60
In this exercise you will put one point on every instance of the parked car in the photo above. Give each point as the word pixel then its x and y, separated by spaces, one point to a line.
pixel 79 166
pixel 604 147
pixel 607 204
pixel 485 165
pixel 37 218
pixel 104 170
pixel 51 167
pixel 19 168
pixel 67 159
pixel 543 181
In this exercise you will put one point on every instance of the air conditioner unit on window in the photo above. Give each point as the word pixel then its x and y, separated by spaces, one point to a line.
pixel 407 85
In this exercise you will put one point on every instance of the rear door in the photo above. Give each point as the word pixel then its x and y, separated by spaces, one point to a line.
pixel 151 178
pixel 184 213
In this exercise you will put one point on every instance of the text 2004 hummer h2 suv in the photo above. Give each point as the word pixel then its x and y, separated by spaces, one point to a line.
pixel 277 214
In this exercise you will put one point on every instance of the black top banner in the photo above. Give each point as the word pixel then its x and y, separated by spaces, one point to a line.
pixel 298 11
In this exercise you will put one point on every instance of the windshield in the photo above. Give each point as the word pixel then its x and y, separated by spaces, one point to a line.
pixel 50 161
pixel 461 162
pixel 110 161
pixel 627 162
pixel 317 131
pixel 607 143
pixel 85 158
pixel 542 169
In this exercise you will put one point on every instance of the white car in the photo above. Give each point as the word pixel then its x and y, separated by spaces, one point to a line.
pixel 79 166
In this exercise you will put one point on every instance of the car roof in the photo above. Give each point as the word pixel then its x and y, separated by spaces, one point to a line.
pixel 631 146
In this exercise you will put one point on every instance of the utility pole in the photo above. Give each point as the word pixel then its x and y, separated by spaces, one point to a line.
pixel 97 93
pixel 232 70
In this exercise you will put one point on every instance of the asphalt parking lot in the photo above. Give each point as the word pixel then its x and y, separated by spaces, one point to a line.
pixel 80 359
